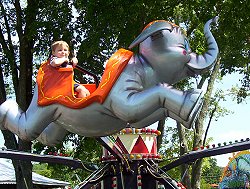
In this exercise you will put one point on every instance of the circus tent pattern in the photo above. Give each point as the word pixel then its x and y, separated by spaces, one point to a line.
pixel 144 144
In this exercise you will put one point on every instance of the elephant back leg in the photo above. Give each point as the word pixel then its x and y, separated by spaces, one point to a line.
pixel 52 134
pixel 27 125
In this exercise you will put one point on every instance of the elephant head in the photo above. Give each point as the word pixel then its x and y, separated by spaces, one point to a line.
pixel 166 49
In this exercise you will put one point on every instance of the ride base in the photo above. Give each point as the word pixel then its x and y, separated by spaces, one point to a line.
pixel 130 161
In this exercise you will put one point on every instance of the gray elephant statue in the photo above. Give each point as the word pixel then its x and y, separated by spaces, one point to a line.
pixel 140 95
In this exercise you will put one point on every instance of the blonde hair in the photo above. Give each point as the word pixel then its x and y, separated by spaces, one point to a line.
pixel 59 43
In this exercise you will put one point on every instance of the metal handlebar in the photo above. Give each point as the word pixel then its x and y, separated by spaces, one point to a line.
pixel 89 73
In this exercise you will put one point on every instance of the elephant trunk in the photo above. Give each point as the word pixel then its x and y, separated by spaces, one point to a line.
pixel 200 63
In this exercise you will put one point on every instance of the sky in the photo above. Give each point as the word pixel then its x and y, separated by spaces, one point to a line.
pixel 234 126
pixel 229 128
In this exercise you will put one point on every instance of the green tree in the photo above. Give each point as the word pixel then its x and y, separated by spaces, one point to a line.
pixel 103 31
pixel 211 172
pixel 22 25
pixel 232 57
pixel 86 149
pixel 14 23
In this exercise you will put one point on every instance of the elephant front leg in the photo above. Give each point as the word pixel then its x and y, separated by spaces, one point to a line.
pixel 134 106
pixel 189 107
pixel 182 106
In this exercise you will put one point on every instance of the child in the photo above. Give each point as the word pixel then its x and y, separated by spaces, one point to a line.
pixel 59 58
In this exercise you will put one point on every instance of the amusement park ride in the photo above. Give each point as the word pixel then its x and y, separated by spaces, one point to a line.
pixel 134 92
pixel 130 161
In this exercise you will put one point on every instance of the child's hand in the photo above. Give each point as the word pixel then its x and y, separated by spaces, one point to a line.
pixel 74 61
pixel 56 62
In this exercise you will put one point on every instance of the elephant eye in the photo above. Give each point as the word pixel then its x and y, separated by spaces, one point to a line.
pixel 186 45
pixel 156 35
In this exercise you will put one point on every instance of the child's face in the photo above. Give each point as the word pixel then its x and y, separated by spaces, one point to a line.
pixel 61 51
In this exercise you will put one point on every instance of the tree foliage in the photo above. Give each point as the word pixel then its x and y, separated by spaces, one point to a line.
pixel 212 172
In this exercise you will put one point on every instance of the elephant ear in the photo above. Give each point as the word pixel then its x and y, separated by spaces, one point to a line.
pixel 150 29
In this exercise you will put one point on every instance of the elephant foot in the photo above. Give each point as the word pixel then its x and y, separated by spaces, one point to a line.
pixel 192 104
pixel 4 108
pixel 8 111
pixel 190 108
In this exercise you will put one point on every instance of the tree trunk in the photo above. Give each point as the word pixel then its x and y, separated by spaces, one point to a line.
pixel 183 149
pixel 25 168
pixel 196 168
pixel 160 127
pixel 23 84
pixel 196 174
pixel 24 180
pixel 24 96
